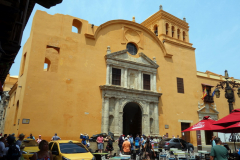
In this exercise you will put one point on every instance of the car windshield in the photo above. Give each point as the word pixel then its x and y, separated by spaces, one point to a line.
pixel 30 143
pixel 72 148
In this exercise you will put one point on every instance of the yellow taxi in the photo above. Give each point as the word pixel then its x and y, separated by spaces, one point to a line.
pixel 69 150
pixel 31 146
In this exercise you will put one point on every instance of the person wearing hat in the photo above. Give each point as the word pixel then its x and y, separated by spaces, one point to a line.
pixel 39 139
pixel 126 147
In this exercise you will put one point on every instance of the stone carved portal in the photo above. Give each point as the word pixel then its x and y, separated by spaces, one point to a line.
pixel 128 108
pixel 132 119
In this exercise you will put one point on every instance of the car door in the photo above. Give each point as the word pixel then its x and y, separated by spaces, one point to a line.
pixel 50 145
pixel 56 152
pixel 177 143
pixel 184 143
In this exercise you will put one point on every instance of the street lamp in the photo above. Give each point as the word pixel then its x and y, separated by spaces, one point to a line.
pixel 228 86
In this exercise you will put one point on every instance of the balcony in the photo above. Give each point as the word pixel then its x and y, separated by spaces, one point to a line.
pixel 208 99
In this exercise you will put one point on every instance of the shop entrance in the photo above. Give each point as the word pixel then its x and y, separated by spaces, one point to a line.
pixel 132 119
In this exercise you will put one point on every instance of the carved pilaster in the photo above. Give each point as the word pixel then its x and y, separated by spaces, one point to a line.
pixel 156 119
pixel 105 117
pixel 126 77
pixel 116 117
pixel 139 80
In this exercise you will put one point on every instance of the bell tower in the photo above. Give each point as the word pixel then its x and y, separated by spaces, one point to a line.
pixel 168 27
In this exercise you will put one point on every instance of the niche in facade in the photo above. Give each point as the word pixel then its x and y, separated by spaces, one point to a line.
pixel 76 26
pixel 51 59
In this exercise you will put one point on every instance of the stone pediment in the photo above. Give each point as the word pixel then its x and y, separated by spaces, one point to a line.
pixel 125 57
pixel 208 109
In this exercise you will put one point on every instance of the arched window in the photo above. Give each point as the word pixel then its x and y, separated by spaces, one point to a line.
pixel 178 33
pixel 156 30
pixel 184 36
pixel 132 49
pixel 16 113
pixel 76 26
pixel 166 28
pixel 172 31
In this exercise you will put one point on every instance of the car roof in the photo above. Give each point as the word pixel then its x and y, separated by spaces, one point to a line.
pixel 28 139
pixel 65 141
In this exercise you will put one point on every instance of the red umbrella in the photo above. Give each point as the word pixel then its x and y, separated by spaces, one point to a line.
pixel 205 124
pixel 235 128
pixel 229 119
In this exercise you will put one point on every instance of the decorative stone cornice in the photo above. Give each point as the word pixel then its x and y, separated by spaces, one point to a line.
pixel 161 14
pixel 178 44
pixel 113 55
pixel 127 90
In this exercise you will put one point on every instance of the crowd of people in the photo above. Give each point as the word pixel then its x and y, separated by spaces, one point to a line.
pixel 127 144
pixel 12 148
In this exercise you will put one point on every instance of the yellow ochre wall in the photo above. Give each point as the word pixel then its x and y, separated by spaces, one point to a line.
pixel 69 101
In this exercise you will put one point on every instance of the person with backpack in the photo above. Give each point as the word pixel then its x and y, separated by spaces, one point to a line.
pixel 13 151
pixel 137 144
pixel 109 147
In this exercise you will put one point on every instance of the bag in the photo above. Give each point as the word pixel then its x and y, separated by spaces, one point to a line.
pixel 13 153
pixel 110 142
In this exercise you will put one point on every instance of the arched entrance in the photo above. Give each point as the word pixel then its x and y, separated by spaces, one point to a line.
pixel 132 119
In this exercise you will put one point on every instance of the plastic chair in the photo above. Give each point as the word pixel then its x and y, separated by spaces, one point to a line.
pixel 181 156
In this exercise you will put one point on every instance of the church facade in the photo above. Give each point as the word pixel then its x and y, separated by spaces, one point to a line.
pixel 122 76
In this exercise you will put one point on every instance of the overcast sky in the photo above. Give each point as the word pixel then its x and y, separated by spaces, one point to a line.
pixel 214 25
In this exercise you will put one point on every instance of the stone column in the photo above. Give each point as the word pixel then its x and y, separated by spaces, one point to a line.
pixel 139 80
pixel 116 118
pixel 156 119
pixel 151 82
pixel 154 82
pixel 105 118
pixel 120 129
pixel 108 75
pixel 126 78
pixel 147 119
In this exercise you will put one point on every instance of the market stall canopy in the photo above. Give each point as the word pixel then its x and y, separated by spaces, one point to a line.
pixel 205 124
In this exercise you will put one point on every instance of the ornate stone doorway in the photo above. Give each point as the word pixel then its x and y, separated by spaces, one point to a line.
pixel 132 119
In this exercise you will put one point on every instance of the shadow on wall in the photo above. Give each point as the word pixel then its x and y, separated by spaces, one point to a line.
pixel 169 59
pixel 160 104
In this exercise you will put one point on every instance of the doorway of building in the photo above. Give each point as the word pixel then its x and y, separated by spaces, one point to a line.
pixel 208 137
pixel 185 135
pixel 132 119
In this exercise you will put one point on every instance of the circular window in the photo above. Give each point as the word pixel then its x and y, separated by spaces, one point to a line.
pixel 132 49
